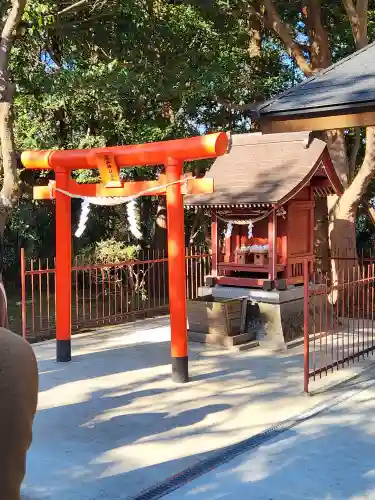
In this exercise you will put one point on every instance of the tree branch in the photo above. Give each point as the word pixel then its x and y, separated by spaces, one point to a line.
pixel 197 223
pixel 9 30
pixel 71 7
pixel 349 200
pixel 357 14
pixel 230 106
pixel 250 9
pixel 354 154
pixel 284 34
pixel 10 186
pixel 335 140
pixel 255 23
pixel 320 55
pixel 304 46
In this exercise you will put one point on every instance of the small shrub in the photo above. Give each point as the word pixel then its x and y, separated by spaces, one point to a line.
pixel 109 252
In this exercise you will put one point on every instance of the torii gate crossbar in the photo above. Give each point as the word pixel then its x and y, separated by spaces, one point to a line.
pixel 109 160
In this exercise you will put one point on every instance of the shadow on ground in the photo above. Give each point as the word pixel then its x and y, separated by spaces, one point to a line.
pixel 112 423
pixel 327 457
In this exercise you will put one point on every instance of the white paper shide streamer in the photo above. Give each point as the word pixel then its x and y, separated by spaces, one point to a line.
pixel 85 210
pixel 249 222
pixel 131 208
pixel 228 232
pixel 250 230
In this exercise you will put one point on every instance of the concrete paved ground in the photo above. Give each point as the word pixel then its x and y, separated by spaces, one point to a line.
pixel 111 423
pixel 330 457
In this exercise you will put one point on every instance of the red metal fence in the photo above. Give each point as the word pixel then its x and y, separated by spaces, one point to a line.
pixel 104 294
pixel 338 318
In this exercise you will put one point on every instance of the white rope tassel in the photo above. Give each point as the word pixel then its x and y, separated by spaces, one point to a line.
pixel 85 210
pixel 250 230
pixel 228 232
pixel 131 209
pixel 113 201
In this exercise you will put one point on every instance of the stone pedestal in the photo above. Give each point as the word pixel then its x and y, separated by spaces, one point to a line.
pixel 275 316
pixel 219 321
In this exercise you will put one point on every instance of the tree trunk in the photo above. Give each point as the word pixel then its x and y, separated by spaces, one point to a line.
pixel 255 35
pixel 121 231
pixel 9 191
pixel 342 239
pixel 160 233
pixel 197 223
pixel 146 220
pixel 335 140
pixel 321 241
pixel 342 216
pixel 158 279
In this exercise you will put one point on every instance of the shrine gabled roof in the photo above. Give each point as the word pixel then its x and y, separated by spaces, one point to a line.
pixel 344 93
pixel 265 169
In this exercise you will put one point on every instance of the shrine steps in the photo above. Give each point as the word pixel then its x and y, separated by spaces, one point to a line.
pixel 240 342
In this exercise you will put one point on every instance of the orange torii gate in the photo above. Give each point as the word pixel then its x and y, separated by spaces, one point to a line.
pixel 109 160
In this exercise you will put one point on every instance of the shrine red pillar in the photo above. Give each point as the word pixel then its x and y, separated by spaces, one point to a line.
pixel 214 242
pixel 272 246
pixel 177 272
pixel 63 273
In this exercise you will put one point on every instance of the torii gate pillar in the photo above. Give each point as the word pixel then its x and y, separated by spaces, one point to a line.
pixel 109 160
pixel 177 272
pixel 63 276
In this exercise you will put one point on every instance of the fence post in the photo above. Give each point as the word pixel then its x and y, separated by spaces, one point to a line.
pixel 23 293
pixel 306 313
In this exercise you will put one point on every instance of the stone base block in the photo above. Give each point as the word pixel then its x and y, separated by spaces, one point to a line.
pixel 240 342
pixel 275 317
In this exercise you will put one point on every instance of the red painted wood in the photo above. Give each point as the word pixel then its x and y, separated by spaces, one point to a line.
pixel 312 222
pixel 214 242
pixel 232 266
pixel 154 153
pixel 320 182
pixel 306 314
pixel 237 231
pixel 274 249
pixel 176 261
pixel 63 257
pixel 228 249
pixel 247 282
pixel 290 238
pixel 192 186
pixel 244 235
pixel 272 246
pixel 303 195
pixel 300 228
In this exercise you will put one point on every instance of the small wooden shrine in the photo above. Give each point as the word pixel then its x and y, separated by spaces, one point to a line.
pixel 262 208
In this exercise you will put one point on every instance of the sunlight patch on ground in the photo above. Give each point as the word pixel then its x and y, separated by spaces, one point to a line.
pixel 113 421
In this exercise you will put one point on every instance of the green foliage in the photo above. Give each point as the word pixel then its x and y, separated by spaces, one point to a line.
pixel 365 235
pixel 120 72
pixel 109 252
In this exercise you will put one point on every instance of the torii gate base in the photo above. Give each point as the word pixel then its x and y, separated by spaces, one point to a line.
pixel 108 160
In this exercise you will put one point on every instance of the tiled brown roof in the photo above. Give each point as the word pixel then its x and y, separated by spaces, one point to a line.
pixel 261 169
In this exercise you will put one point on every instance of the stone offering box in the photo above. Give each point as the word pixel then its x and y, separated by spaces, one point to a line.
pixel 219 321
